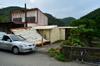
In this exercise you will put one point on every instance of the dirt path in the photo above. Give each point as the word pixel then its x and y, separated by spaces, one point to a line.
pixel 45 48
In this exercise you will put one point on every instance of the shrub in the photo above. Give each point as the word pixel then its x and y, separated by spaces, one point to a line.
pixel 52 52
pixel 67 43
pixel 60 57
pixel 56 54
pixel 72 41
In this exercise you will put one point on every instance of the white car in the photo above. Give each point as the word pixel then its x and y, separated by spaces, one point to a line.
pixel 16 44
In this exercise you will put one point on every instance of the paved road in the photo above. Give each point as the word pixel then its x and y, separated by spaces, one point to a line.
pixel 32 59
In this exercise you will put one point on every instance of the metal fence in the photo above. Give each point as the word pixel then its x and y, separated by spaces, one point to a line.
pixel 82 53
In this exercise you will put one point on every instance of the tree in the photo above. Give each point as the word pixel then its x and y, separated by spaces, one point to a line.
pixel 85 31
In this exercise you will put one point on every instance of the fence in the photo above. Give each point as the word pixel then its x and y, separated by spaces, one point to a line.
pixel 82 53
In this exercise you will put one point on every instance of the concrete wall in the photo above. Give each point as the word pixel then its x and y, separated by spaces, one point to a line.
pixel 42 19
pixel 54 34
pixel 62 34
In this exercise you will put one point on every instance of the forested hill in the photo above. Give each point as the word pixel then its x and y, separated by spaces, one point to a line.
pixel 93 15
pixel 60 22
pixel 67 20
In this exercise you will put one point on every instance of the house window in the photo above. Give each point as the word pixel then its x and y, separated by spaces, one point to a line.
pixel 31 19
pixel 17 19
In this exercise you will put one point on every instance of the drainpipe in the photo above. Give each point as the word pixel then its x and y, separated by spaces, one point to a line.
pixel 37 16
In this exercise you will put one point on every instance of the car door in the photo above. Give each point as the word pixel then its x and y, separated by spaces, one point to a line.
pixel 1 42
pixel 6 43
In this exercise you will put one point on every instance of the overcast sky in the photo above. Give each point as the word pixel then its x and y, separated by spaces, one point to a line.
pixel 58 8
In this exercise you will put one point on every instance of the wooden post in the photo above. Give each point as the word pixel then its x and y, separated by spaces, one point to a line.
pixel 60 34
pixel 50 36
pixel 42 37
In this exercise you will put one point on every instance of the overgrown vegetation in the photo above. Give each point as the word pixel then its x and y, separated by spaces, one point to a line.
pixel 83 34
pixel 56 53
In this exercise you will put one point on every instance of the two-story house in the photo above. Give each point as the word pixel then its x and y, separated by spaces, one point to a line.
pixel 34 17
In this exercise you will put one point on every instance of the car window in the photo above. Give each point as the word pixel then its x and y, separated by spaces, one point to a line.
pixel 17 38
pixel 6 38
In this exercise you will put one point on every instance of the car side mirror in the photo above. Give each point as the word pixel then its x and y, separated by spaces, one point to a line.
pixel 9 40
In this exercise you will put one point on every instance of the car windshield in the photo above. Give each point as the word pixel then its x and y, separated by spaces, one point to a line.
pixel 17 38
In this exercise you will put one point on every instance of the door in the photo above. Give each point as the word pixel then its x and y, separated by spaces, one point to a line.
pixel 67 31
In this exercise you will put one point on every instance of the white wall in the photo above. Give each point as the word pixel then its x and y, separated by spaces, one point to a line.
pixel 62 33
pixel 54 34
pixel 57 34
pixel 42 19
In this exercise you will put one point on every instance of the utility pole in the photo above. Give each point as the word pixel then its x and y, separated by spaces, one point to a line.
pixel 25 16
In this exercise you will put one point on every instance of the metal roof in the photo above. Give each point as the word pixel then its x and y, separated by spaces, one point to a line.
pixel 45 27
pixel 67 27
pixel 53 26
pixel 23 9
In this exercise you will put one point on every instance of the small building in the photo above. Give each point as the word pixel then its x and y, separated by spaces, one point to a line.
pixel 54 33
pixel 39 30
pixel 34 17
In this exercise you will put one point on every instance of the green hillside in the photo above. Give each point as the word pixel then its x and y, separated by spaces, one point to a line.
pixel 94 15
pixel 54 21
pixel 60 22
pixel 67 20
pixel 88 20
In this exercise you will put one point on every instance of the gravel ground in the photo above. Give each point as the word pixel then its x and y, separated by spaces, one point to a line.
pixel 32 59
pixel 38 58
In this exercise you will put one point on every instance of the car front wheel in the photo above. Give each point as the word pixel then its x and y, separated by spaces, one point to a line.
pixel 15 50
